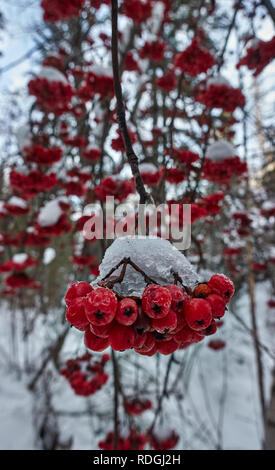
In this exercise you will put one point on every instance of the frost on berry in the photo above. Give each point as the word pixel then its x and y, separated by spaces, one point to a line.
pixel 100 306
pixel 156 301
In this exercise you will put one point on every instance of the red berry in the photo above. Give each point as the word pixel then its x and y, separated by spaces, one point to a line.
pixel 181 323
pixel 75 314
pixel 102 331
pixel 122 337
pixel 156 301
pixel 139 340
pixel 168 323
pixel 187 335
pixel 210 330
pixel 179 298
pixel 202 291
pixel 217 304
pixel 142 323
pixel 151 351
pixel 216 344
pixel 94 342
pixel 198 314
pixel 100 306
pixel 127 312
pixel 148 344
pixel 78 289
pixel 222 285
pixel 167 347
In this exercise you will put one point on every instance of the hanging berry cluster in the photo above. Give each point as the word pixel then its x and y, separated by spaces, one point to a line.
pixel 85 375
pixel 164 319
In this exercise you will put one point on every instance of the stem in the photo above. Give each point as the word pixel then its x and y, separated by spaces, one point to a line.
pixel 116 392
pixel 131 156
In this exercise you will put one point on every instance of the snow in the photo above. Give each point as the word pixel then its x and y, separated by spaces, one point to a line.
pixel 147 168
pixel 50 213
pixel 49 255
pixel 17 201
pixel 218 80
pixel 20 258
pixel 154 22
pixel 52 75
pixel 2 208
pixel 220 150
pixel 157 257
pixel 101 70
pixel 22 135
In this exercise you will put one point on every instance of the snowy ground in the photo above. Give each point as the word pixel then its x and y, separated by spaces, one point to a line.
pixel 217 405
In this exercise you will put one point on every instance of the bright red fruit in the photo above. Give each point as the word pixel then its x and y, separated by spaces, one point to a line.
pixel 127 312
pixel 211 329
pixel 179 298
pixel 156 301
pixel 222 285
pixel 75 314
pixel 122 337
pixel 102 331
pixel 78 289
pixel 101 306
pixel 95 343
pixel 198 314
pixel 217 304
pixel 168 323
pixel 187 335
pixel 167 347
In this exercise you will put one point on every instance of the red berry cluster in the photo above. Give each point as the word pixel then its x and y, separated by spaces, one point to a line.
pixel 163 320
pixel 221 96
pixel 41 155
pixel 51 96
pixel 222 172
pixel 86 376
pixel 56 10
pixel 259 56
pixel 32 183
pixel 194 59
pixel 137 406
pixel 133 441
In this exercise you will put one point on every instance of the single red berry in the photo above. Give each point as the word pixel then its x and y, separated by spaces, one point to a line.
pixel 139 339
pixel 168 323
pixel 187 335
pixel 142 323
pixel 151 351
pixel 167 347
pixel 222 285
pixel 216 344
pixel 78 289
pixel 156 301
pixel 75 314
pixel 148 344
pixel 94 342
pixel 198 314
pixel 122 337
pixel 127 312
pixel 102 331
pixel 179 297
pixel 217 304
pixel 101 306
pixel 202 291
pixel 210 330
pixel 181 323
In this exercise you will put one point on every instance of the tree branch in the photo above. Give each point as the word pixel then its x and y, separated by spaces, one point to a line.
pixel 131 156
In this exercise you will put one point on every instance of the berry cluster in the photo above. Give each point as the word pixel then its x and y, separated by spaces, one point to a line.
pixel 85 375
pixel 221 96
pixel 258 56
pixel 194 59
pixel 163 320
pixel 133 441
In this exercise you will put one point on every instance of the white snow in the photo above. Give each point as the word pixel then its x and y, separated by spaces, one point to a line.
pixel 23 136
pixel 17 201
pixel 49 255
pixel 101 70
pixel 148 168
pixel 20 258
pixel 218 80
pixel 220 150
pixel 50 213
pixel 157 257
pixel 52 75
